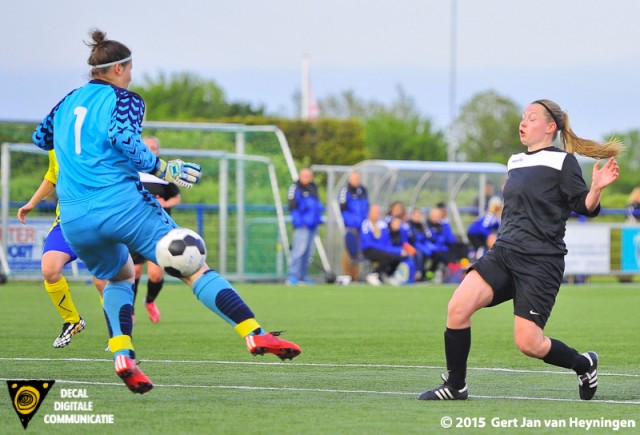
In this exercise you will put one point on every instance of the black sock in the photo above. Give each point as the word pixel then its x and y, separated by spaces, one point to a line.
pixel 562 355
pixel 135 293
pixel 457 344
pixel 153 290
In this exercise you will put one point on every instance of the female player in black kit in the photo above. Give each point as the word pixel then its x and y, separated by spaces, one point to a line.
pixel 168 195
pixel 526 263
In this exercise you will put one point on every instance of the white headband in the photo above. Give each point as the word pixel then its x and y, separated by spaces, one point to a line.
pixel 104 65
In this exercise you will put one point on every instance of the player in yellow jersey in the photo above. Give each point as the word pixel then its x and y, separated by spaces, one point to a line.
pixel 56 253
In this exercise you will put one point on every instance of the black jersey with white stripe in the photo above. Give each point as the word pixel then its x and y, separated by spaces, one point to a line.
pixel 158 187
pixel 542 189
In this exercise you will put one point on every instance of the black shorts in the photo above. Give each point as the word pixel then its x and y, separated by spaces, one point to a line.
pixel 532 281
pixel 137 258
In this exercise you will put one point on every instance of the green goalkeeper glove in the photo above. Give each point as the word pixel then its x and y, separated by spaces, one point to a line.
pixel 179 173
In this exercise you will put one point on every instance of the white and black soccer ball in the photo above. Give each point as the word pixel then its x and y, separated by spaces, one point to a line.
pixel 181 252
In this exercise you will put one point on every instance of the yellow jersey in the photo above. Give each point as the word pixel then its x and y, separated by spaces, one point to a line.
pixel 52 176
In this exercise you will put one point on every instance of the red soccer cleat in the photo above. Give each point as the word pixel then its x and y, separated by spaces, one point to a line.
pixel 132 376
pixel 270 343
pixel 153 311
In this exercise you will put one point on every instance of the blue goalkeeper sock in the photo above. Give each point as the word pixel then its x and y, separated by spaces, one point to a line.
pixel 217 294
pixel 118 300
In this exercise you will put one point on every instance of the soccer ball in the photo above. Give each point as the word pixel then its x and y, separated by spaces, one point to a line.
pixel 181 252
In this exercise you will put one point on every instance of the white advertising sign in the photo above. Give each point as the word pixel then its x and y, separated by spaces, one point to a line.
pixel 589 247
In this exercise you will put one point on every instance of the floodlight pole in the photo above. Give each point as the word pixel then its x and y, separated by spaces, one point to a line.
pixel 305 95
pixel 451 149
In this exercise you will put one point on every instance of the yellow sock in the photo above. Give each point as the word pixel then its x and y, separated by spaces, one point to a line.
pixel 120 342
pixel 61 298
pixel 246 327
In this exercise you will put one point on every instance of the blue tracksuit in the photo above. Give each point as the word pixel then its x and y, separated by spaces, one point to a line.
pixel 306 214
pixel 354 206
pixel 304 205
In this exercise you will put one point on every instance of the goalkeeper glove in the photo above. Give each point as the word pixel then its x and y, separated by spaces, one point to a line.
pixel 179 173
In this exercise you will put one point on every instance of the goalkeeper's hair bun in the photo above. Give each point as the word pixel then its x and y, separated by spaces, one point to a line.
pixel 98 36
pixel 105 51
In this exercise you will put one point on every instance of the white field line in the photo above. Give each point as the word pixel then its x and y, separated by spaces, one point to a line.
pixel 329 390
pixel 328 365
pixel 322 390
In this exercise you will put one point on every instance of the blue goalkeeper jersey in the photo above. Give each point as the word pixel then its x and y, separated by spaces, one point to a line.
pixel 95 131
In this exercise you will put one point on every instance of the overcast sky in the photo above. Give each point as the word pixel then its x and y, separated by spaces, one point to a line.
pixel 584 54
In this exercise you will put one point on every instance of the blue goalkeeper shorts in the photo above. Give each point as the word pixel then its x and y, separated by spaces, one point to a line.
pixel 101 229
pixel 55 242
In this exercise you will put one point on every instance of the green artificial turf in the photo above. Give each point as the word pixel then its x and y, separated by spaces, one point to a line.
pixel 367 352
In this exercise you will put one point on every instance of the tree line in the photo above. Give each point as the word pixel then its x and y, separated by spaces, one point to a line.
pixel 351 129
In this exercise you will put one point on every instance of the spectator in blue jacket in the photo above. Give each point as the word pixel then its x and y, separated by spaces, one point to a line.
pixel 633 206
pixel 396 210
pixel 418 238
pixel 480 230
pixel 377 246
pixel 440 234
pixel 306 211
pixel 398 232
pixel 354 207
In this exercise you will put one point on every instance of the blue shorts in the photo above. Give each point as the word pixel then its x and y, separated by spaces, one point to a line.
pixel 101 229
pixel 55 242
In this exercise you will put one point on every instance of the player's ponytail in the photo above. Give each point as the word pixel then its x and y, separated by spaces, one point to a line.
pixel 573 143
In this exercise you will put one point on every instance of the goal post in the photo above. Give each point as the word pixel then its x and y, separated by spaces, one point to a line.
pixel 241 131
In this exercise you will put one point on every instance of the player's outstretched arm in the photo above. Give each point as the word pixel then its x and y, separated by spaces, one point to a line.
pixel 46 187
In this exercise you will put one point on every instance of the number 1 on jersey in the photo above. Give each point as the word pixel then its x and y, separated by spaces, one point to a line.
pixel 80 113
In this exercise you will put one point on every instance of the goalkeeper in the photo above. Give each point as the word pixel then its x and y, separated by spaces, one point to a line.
pixel 104 209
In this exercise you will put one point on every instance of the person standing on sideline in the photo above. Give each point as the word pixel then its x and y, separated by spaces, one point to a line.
pixel 526 263
pixel 105 211
pixel 489 192
pixel 354 207
pixel 168 195
pixel 306 215
pixel 418 238
pixel 480 230
pixel 56 254
pixel 440 235
pixel 633 205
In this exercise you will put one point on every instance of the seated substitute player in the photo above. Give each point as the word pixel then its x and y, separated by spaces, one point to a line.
pixel 482 230
pixel 56 253
pixel 440 235
pixel 168 195
pixel 104 209
pixel 526 263
pixel 375 241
